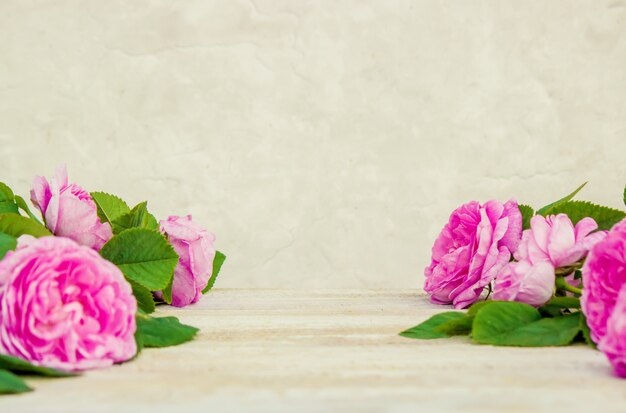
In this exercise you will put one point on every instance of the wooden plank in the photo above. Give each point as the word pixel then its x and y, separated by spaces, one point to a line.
pixel 305 351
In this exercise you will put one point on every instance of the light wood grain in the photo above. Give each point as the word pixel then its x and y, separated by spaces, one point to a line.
pixel 287 351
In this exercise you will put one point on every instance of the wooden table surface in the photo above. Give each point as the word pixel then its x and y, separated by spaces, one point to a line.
pixel 324 351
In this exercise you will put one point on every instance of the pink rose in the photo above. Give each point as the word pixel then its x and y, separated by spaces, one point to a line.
pixel 550 243
pixel 613 344
pixel 604 275
pixel 556 240
pixel 471 249
pixel 64 306
pixel 194 246
pixel 525 283
pixel 69 211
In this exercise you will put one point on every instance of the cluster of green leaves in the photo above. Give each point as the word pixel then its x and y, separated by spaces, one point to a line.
pixel 11 368
pixel 506 323
pixel 604 216
pixel 12 223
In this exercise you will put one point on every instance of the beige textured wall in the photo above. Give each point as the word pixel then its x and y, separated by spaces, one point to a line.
pixel 324 142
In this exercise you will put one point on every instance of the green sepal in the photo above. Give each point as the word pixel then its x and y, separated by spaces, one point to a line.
pixel 218 261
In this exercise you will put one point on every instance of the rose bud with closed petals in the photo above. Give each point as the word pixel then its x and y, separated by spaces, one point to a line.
pixel 64 306
pixel 69 211
pixel 613 344
pixel 525 283
pixel 604 275
pixel 472 248
pixel 194 246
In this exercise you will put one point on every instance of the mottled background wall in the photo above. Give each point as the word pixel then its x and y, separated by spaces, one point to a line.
pixel 324 142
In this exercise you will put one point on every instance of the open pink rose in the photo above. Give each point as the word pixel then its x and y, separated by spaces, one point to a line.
pixel 613 344
pixel 555 239
pixel 550 243
pixel 69 211
pixel 64 306
pixel 471 249
pixel 194 246
pixel 604 275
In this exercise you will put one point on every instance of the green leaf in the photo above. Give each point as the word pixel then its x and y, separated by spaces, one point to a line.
pixel 20 366
pixel 624 195
pixel 7 243
pixel 564 302
pixel 7 200
pixel 555 307
pixel 19 201
pixel 527 213
pixel 218 261
pixel 463 325
pixel 11 384
pixel 473 310
pixel 576 210
pixel 584 328
pixel 144 256
pixel 6 193
pixel 426 330
pixel 110 207
pixel 504 323
pixel 144 298
pixel 547 210
pixel 163 331
pixel 16 225
pixel 139 341
pixel 166 293
pixel 550 311
pixel 499 318
pixel 138 217
pixel 456 327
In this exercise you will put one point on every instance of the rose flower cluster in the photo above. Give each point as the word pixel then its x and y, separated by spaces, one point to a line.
pixel 484 249
pixel 62 304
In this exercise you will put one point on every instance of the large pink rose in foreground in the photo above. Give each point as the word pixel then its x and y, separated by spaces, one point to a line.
pixel 69 211
pixel 194 246
pixel 64 306
pixel 472 248
pixel 550 243
pixel 613 344
pixel 604 275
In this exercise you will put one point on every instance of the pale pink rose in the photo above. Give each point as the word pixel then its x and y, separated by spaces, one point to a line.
pixel 525 283
pixel 604 275
pixel 613 344
pixel 69 211
pixel 194 246
pixel 471 249
pixel 555 239
pixel 64 306
pixel 550 243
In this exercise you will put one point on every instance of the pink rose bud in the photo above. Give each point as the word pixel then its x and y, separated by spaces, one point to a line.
pixel 613 344
pixel 475 244
pixel 64 306
pixel 69 211
pixel 604 275
pixel 525 283
pixel 194 246
pixel 550 243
